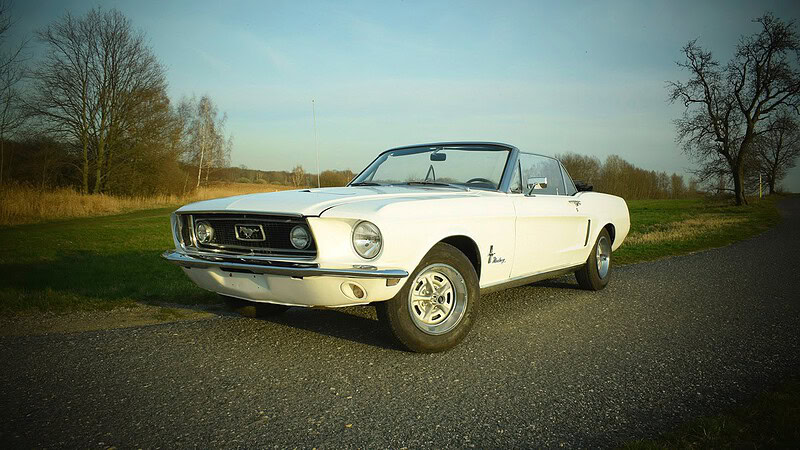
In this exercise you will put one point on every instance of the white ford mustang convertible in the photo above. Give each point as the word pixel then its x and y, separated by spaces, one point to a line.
pixel 421 233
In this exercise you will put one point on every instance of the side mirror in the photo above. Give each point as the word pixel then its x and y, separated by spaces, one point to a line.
pixel 583 187
pixel 438 156
pixel 537 183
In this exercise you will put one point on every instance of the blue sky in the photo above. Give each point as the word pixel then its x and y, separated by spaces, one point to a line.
pixel 549 77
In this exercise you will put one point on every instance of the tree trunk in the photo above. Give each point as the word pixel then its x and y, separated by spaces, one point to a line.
pixel 771 183
pixel 738 185
pixel 9 164
pixel 106 186
pixel 200 168
pixel 2 158
pixel 98 182
pixel 44 173
pixel 202 154
pixel 85 184
pixel 185 183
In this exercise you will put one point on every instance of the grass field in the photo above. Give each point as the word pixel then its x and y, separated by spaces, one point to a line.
pixel 770 421
pixel 92 263
pixel 103 262
pixel 25 204
pixel 662 228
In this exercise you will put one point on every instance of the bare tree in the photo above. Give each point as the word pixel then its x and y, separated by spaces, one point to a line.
pixel 777 149
pixel 298 176
pixel 130 82
pixel 208 146
pixel 677 186
pixel 65 97
pixel 96 75
pixel 726 107
pixel 581 167
pixel 693 188
pixel 12 116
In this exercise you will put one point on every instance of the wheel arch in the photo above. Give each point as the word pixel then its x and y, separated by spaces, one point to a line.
pixel 612 231
pixel 468 247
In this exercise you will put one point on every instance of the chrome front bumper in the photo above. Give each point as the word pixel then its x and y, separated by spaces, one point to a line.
pixel 282 268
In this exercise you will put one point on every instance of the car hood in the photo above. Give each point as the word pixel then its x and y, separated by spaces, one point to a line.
pixel 312 202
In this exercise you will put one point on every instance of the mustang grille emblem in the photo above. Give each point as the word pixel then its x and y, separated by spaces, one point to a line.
pixel 249 232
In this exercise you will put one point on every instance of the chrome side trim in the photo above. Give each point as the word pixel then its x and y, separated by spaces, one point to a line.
pixel 294 270
pixel 588 230
pixel 528 279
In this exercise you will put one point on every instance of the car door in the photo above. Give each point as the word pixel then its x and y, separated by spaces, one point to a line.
pixel 550 228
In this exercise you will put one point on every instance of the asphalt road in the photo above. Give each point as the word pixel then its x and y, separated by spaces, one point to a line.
pixel 547 365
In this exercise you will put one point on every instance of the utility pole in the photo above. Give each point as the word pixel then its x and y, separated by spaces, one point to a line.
pixel 316 148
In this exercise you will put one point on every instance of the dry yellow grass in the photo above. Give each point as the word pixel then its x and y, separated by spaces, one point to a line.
pixel 20 204
pixel 683 230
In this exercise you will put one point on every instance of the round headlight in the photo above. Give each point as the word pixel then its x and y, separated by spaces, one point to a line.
pixel 300 237
pixel 204 232
pixel 367 240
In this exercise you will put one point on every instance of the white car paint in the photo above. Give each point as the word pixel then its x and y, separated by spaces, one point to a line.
pixel 517 236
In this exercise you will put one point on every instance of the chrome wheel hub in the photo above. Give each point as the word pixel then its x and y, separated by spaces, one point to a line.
pixel 603 257
pixel 437 299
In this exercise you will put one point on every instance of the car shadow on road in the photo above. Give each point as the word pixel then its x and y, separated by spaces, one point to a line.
pixel 359 323
pixel 356 324
pixel 560 283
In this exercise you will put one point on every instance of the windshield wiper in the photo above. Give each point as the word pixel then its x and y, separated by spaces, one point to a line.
pixel 435 183
pixel 365 183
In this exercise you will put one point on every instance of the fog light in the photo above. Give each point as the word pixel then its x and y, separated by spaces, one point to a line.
pixel 353 291
pixel 300 237
pixel 204 232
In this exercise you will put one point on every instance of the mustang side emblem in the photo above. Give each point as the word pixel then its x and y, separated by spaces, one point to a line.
pixel 494 259
pixel 249 232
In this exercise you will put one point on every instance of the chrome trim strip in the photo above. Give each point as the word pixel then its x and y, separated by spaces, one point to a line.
pixel 225 250
pixel 215 255
pixel 528 279
pixel 238 211
pixel 588 229
pixel 505 178
pixel 288 271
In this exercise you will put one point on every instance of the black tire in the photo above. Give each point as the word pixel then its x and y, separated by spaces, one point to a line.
pixel 400 315
pixel 253 309
pixel 590 276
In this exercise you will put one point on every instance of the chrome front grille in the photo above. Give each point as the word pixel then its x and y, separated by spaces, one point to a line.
pixel 275 240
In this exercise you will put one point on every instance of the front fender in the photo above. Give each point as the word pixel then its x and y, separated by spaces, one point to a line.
pixel 606 209
pixel 411 228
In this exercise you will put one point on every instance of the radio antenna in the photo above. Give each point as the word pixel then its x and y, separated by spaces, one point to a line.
pixel 316 148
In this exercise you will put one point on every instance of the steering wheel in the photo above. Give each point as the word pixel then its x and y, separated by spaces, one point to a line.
pixel 480 180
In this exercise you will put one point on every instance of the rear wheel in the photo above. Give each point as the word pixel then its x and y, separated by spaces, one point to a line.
pixel 434 311
pixel 253 309
pixel 594 274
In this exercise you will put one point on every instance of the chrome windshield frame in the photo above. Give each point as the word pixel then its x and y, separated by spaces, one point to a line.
pixel 505 179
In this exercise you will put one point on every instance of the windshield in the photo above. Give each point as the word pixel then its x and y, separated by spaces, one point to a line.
pixel 472 166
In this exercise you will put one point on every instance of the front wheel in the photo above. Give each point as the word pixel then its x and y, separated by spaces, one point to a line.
pixel 434 310
pixel 593 276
